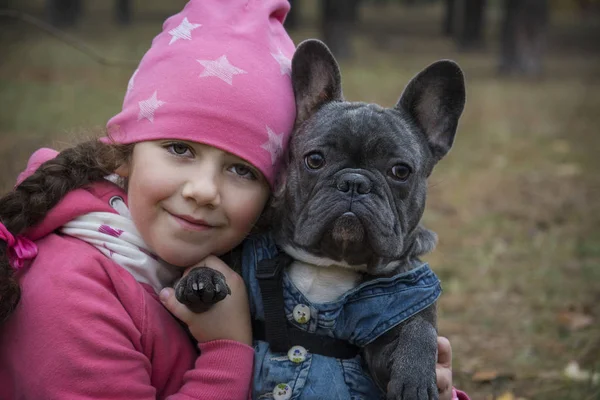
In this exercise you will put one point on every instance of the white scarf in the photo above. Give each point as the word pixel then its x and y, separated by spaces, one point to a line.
pixel 116 237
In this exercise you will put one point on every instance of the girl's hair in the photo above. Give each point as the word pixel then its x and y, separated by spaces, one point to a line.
pixel 28 203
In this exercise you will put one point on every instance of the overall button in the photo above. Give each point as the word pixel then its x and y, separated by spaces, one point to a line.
pixel 297 354
pixel 283 391
pixel 302 313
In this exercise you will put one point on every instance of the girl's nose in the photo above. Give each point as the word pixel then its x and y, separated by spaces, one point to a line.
pixel 203 188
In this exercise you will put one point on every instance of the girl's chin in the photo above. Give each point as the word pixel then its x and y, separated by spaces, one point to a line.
pixel 177 260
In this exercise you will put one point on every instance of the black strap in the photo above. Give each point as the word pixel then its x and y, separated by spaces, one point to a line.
pixel 269 276
pixel 276 330
pixel 316 344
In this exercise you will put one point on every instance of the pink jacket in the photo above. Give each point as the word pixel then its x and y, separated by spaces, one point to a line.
pixel 459 395
pixel 86 329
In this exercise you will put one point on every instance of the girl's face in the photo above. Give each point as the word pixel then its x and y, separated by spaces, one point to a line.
pixel 189 200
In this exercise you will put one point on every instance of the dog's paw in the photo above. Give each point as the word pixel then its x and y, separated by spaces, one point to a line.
pixel 201 288
pixel 413 387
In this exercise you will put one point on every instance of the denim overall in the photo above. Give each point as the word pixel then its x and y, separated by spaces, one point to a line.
pixel 359 317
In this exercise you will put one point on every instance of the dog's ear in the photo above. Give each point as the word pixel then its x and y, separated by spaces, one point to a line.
pixel 315 78
pixel 435 98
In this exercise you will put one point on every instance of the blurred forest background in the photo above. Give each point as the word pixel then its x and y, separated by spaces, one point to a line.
pixel 516 204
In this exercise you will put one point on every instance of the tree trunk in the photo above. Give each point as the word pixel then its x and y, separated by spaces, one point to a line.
pixel 523 36
pixel 471 36
pixel 449 17
pixel 63 13
pixel 338 19
pixel 123 11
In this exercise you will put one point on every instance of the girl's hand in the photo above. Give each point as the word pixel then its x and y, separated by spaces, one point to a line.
pixel 443 368
pixel 227 319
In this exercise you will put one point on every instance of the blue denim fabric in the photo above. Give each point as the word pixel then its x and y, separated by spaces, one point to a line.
pixel 360 316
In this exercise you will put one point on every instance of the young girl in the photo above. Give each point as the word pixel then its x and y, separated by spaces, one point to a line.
pixel 82 260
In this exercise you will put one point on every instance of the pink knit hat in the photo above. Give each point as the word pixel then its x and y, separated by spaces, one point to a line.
pixel 218 74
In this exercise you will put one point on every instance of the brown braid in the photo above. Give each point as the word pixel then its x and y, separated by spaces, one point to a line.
pixel 29 203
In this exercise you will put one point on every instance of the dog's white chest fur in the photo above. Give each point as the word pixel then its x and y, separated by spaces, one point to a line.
pixel 319 279
pixel 322 284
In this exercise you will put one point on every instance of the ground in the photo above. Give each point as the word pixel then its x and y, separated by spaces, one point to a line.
pixel 515 203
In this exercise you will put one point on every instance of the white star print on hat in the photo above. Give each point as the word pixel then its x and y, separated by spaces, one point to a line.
pixel 148 107
pixel 285 64
pixel 183 31
pixel 274 145
pixel 221 68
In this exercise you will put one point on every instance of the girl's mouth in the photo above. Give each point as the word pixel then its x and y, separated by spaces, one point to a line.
pixel 191 223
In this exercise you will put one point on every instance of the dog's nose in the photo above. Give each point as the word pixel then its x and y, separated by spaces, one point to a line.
pixel 353 182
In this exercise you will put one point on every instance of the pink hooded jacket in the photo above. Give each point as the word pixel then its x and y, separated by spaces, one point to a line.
pixel 86 329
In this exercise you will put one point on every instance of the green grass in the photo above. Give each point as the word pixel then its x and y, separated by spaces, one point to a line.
pixel 515 203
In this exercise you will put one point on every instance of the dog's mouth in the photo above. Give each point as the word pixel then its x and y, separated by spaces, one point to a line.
pixel 347 230
pixel 347 240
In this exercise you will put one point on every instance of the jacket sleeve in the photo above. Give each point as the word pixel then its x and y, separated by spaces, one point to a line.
pixel 72 338
pixel 459 395
pixel 223 371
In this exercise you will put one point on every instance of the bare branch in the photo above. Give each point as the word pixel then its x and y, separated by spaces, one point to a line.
pixel 66 38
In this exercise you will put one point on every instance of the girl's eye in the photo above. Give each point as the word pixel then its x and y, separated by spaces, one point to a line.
pixel 244 171
pixel 179 149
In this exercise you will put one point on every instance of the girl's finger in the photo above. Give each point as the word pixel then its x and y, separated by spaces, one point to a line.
pixel 444 352
pixel 180 311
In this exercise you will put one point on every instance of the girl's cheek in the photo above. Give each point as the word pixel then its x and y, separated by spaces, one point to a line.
pixel 253 210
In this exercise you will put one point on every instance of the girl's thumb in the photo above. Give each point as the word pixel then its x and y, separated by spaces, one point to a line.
pixel 180 311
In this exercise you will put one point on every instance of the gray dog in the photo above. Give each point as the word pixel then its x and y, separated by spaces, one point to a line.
pixel 343 306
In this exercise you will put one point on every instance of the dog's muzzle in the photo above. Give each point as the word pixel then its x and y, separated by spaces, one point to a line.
pixel 354 183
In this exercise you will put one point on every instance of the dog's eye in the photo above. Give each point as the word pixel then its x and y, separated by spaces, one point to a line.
pixel 400 172
pixel 314 160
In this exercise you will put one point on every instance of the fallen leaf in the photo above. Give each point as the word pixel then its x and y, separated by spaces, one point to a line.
pixel 506 396
pixel 574 321
pixel 489 375
pixel 573 372
pixel 485 376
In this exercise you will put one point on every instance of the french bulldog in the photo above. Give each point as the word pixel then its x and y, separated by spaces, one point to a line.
pixel 349 203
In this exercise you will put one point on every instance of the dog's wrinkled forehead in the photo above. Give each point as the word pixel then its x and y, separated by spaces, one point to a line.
pixel 363 131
